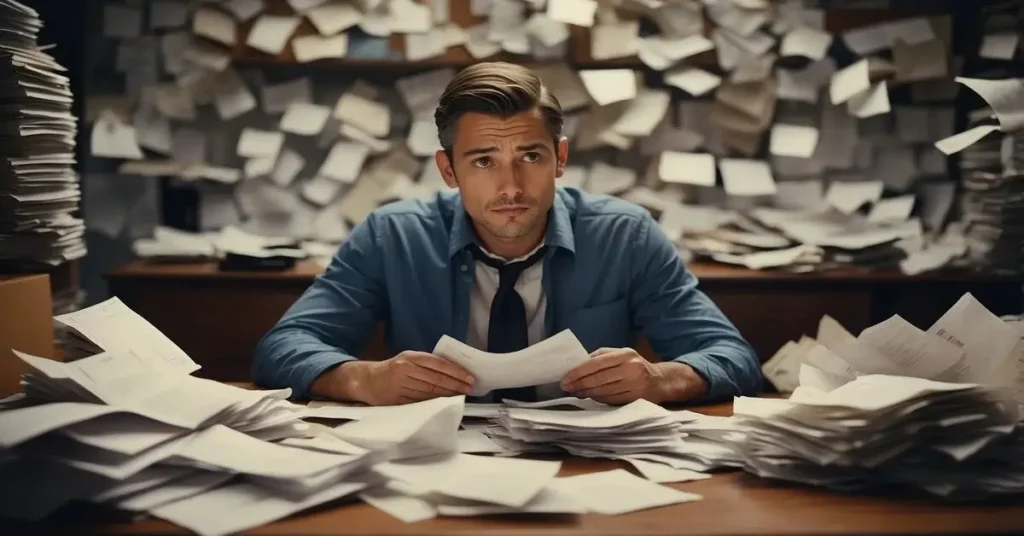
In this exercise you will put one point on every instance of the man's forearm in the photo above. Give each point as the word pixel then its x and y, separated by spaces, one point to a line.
pixel 344 383
pixel 678 382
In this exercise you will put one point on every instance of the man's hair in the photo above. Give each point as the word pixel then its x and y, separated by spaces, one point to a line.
pixel 495 88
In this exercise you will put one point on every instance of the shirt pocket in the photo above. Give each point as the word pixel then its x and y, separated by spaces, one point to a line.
pixel 605 325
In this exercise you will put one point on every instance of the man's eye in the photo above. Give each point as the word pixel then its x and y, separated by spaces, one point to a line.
pixel 482 162
pixel 531 157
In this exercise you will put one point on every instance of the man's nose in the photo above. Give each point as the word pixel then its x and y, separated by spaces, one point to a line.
pixel 510 181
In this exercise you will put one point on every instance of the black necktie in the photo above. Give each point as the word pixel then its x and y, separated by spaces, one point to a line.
pixel 507 330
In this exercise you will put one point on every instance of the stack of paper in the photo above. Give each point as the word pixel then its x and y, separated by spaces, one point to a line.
pixel 992 204
pixel 820 239
pixel 968 344
pixel 39 190
pixel 426 469
pixel 638 427
pixel 111 326
pixel 878 431
pixel 130 428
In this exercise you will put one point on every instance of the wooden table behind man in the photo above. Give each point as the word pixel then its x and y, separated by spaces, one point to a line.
pixel 218 317
pixel 734 504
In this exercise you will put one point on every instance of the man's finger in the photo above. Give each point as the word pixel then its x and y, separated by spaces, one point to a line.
pixel 599 378
pixel 603 350
pixel 414 387
pixel 592 365
pixel 619 399
pixel 440 381
pixel 605 391
pixel 445 367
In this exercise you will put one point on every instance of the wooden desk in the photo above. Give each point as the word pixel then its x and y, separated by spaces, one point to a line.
pixel 734 504
pixel 218 317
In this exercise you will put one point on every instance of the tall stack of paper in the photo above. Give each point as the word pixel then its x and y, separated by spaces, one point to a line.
pixel 880 431
pixel 39 191
pixel 992 204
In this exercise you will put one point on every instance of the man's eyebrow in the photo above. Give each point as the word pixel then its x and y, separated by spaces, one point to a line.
pixel 532 147
pixel 479 150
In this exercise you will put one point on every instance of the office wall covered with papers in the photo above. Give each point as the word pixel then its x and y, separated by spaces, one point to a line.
pixel 763 134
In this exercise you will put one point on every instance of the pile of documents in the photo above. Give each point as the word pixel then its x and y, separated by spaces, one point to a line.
pixel 639 427
pixel 968 344
pixel 172 245
pixel 804 240
pixel 938 410
pixel 954 440
pixel 992 204
pixel 39 190
pixel 129 427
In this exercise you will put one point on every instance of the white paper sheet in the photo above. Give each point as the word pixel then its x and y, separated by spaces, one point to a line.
pixel 545 362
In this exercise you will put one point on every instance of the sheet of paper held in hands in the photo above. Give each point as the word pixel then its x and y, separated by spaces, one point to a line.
pixel 542 363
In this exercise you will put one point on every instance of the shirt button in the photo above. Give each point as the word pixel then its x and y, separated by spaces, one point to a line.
pixel 464 267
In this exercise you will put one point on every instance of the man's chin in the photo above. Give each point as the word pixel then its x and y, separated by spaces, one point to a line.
pixel 508 230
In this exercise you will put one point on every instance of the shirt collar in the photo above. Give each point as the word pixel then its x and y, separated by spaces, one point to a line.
pixel 558 234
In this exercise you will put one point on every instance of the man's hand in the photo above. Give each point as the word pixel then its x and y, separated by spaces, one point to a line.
pixel 407 377
pixel 621 376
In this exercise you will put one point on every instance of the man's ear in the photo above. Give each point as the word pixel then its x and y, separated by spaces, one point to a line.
pixel 444 165
pixel 563 156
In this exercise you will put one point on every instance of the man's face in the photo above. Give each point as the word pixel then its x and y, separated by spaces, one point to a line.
pixel 505 170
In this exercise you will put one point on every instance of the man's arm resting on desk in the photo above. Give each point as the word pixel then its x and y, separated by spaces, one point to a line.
pixel 684 325
pixel 330 322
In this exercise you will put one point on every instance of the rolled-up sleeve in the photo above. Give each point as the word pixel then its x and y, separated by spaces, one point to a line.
pixel 332 320
pixel 682 323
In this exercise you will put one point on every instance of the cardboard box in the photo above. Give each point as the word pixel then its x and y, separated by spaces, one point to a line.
pixel 26 325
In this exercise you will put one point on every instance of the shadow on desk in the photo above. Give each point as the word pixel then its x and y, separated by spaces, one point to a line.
pixel 218 317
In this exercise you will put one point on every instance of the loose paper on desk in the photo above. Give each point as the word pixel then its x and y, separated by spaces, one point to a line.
pixel 872 102
pixel 314 47
pixel 793 140
pixel 687 168
pixel 623 492
pixel 999 46
pixel 986 340
pixel 503 481
pixel 545 362
pixel 747 177
pixel 344 162
pixel 806 42
pixel 849 196
pixel 255 143
pixel 852 80
pixel 893 209
pixel 1005 97
pixel 114 327
pixel 575 12
pixel 305 119
pixel 425 428
pixel 271 33
pixel 332 18
pixel 214 24
pixel 609 86
pixel 692 80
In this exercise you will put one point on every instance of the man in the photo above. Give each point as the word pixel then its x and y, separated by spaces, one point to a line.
pixel 502 263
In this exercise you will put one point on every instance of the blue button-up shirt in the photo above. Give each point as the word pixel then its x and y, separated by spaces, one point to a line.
pixel 610 273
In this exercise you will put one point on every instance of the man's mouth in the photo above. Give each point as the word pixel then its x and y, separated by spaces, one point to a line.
pixel 514 210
